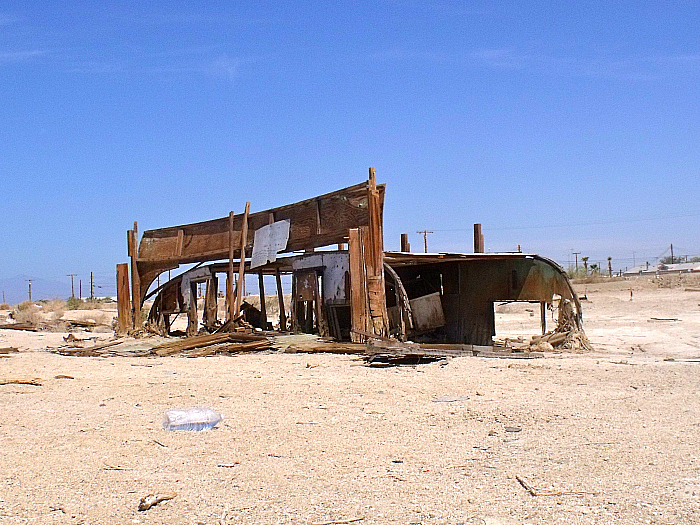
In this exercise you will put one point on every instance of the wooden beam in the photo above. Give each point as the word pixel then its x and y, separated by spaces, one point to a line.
pixel 263 308
pixel 135 280
pixel 478 239
pixel 405 246
pixel 192 322
pixel 358 294
pixel 280 299
pixel 229 276
pixel 543 316
pixel 211 307
pixel 241 267
pixel 374 262
pixel 124 321
pixel 321 321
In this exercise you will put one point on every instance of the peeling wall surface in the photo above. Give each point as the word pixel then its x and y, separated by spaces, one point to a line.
pixel 335 265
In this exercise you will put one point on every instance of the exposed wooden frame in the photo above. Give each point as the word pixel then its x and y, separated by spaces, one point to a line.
pixel 241 267
pixel 229 275
pixel 124 322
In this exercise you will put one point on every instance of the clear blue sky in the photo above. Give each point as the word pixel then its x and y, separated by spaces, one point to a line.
pixel 523 116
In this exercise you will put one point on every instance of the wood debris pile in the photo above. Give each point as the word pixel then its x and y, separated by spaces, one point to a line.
pixel 197 346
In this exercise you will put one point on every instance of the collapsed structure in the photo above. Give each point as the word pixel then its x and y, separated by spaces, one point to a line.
pixel 354 291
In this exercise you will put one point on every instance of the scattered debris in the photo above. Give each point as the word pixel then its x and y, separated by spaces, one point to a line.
pixel 513 429
pixel 339 522
pixel 107 466
pixel 63 376
pixel 663 319
pixel 9 350
pixel 152 499
pixel 70 338
pixel 450 399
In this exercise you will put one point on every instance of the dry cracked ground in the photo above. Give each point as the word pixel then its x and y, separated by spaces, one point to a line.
pixel 604 437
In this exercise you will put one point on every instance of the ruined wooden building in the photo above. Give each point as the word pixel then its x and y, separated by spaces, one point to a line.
pixel 344 285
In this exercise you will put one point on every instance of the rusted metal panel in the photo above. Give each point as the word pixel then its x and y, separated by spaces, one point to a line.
pixel 427 312
pixel 307 282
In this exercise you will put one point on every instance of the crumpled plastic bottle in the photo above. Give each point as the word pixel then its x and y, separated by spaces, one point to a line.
pixel 191 419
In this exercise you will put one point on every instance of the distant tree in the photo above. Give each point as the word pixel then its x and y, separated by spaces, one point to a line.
pixel 585 263
pixel 610 266
pixel 594 268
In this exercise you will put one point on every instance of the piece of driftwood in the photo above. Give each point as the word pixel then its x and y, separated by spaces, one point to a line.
pixel 153 499
pixel 9 350
pixel 82 323
pixel 21 381
pixel 29 327
pixel 536 492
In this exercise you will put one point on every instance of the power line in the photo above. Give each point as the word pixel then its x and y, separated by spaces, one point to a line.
pixel 573 225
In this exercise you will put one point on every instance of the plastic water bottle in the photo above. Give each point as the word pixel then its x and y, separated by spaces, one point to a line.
pixel 191 419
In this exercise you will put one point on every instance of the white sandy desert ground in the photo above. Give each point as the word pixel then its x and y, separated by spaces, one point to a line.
pixel 607 437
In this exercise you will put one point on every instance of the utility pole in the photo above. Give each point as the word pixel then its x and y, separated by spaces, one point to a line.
pixel 72 287
pixel 425 238
pixel 671 253
pixel 81 289
pixel 576 254
pixel 634 263
pixel 3 296
pixel 92 287
pixel 30 289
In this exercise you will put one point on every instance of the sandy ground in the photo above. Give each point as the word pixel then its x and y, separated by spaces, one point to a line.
pixel 612 435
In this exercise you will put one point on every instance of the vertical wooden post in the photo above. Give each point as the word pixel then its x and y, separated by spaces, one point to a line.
pixel 478 239
pixel 374 262
pixel 210 302
pixel 132 241
pixel 280 299
pixel 405 246
pixel 321 321
pixel 358 291
pixel 263 307
pixel 229 275
pixel 241 267
pixel 543 316
pixel 124 321
pixel 294 318
pixel 192 312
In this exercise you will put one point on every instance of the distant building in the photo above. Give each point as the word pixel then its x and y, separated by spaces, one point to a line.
pixel 661 268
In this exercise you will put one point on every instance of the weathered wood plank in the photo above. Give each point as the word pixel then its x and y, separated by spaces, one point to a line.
pixel 124 321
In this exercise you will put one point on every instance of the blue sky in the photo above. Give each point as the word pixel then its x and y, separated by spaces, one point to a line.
pixel 562 126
